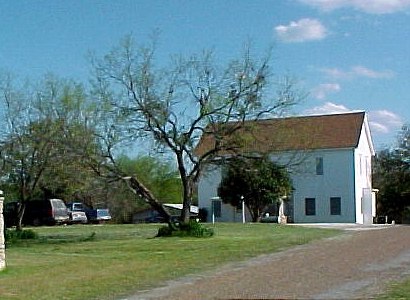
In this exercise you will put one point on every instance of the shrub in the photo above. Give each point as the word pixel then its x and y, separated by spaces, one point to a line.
pixel 192 228
pixel 196 229
pixel 164 231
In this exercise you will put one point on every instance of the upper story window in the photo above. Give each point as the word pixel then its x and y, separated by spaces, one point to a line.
pixel 319 165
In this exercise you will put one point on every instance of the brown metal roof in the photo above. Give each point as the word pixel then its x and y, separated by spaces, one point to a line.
pixel 295 133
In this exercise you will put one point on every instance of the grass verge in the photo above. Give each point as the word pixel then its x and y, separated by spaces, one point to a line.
pixel 397 291
pixel 112 261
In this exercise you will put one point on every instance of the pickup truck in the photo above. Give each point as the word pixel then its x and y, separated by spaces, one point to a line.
pixel 98 215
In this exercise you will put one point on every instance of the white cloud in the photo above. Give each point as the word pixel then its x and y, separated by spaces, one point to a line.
pixel 384 124
pixel 368 6
pixel 365 72
pixel 357 71
pixel 320 92
pixel 328 108
pixel 335 73
pixel 301 31
pixel 384 121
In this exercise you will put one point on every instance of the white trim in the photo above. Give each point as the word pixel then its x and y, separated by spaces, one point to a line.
pixel 193 209
pixel 368 135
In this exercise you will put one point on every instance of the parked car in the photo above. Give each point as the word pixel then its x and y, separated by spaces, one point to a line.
pixel 98 215
pixel 77 217
pixel 10 213
pixel 269 219
pixel 45 212
pixel 37 212
pixel 154 219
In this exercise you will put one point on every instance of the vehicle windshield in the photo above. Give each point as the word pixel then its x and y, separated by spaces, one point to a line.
pixel 78 206
pixel 103 212
pixel 59 204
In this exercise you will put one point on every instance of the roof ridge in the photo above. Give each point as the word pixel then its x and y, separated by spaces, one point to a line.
pixel 308 132
pixel 308 116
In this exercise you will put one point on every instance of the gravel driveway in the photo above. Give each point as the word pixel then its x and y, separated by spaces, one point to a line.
pixel 357 264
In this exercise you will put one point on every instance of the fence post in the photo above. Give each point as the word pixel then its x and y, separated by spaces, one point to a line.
pixel 2 242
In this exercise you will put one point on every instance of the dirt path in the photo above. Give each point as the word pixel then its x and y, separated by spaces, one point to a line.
pixel 357 264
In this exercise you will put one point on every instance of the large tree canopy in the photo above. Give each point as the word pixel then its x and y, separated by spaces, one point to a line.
pixel 43 128
pixel 256 181
pixel 57 132
pixel 173 107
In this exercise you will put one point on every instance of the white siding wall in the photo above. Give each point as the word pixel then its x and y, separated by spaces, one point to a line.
pixel 208 191
pixel 207 187
pixel 363 181
pixel 337 181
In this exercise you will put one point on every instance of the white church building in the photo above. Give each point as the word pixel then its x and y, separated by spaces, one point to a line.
pixel 329 159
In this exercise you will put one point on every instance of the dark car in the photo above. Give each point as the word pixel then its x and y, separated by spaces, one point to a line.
pixel 37 212
pixel 10 210
pixel 45 212
pixel 154 219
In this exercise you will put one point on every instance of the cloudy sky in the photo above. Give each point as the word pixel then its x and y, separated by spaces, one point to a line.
pixel 347 54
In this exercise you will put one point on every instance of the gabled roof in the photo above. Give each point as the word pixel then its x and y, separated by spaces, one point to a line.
pixel 294 133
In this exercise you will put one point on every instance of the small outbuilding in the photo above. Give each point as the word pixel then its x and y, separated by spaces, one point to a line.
pixel 149 215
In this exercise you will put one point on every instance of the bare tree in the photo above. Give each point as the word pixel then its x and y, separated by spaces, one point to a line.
pixel 177 105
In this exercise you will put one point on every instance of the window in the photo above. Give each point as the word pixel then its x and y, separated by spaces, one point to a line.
pixel 335 206
pixel 368 168
pixel 361 205
pixel 319 165
pixel 360 165
pixel 216 208
pixel 310 206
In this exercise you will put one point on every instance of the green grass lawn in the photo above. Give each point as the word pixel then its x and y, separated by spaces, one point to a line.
pixel 397 290
pixel 111 261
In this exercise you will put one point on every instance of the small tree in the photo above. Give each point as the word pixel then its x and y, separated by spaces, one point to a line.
pixel 156 173
pixel 256 181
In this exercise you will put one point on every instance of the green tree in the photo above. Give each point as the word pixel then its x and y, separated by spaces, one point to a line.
pixel 175 106
pixel 158 175
pixel 45 126
pixel 256 181
pixel 391 176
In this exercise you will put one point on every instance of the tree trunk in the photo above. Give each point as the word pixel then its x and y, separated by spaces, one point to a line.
pixel 186 205
pixel 255 212
pixel 187 188
pixel 20 214
pixel 148 197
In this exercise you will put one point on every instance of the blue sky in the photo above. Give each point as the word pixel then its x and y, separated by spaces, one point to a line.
pixel 348 54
